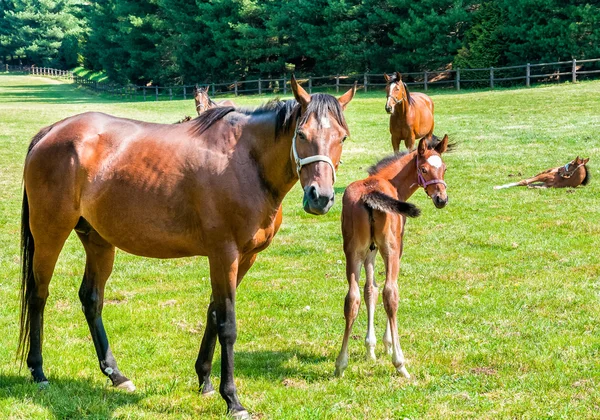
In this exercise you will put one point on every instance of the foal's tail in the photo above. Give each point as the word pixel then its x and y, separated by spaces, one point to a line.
pixel 27 250
pixel 379 201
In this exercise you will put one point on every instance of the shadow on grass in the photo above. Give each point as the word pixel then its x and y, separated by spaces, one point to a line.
pixel 43 93
pixel 65 398
pixel 279 365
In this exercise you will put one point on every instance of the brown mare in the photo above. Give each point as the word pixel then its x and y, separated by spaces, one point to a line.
pixel 204 102
pixel 373 215
pixel 411 114
pixel 573 174
pixel 212 186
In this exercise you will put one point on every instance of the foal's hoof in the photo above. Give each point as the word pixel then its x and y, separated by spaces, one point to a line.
pixel 43 385
pixel 404 372
pixel 127 386
pixel 240 415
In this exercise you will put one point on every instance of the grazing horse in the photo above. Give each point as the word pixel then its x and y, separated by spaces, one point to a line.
pixel 212 186
pixel 411 114
pixel 373 215
pixel 204 102
pixel 573 174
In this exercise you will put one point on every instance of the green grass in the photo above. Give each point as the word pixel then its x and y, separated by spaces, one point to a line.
pixel 98 76
pixel 499 291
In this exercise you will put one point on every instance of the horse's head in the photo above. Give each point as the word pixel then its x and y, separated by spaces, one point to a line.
pixel 569 169
pixel 395 91
pixel 431 170
pixel 317 145
pixel 202 99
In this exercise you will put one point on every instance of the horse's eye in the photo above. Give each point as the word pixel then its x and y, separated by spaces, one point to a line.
pixel 423 170
pixel 301 135
pixel 344 139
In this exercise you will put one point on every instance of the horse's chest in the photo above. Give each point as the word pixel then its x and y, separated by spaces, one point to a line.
pixel 261 239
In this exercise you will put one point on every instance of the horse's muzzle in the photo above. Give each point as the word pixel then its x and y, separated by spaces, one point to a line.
pixel 315 202
pixel 439 202
pixel 388 109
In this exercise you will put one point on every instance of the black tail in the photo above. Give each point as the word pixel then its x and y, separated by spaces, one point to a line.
pixel 27 280
pixel 379 201
pixel 588 176
pixel 27 250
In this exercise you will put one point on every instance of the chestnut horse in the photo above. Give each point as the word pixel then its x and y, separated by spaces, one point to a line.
pixel 573 174
pixel 373 215
pixel 212 186
pixel 204 102
pixel 411 114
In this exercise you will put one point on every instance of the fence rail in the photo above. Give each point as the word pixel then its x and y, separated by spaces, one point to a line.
pixel 491 77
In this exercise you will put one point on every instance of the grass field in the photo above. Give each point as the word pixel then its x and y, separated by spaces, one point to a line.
pixel 500 290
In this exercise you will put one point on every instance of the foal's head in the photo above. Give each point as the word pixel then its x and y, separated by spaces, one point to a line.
pixel 203 101
pixel 431 170
pixel 569 169
pixel 395 90
pixel 317 145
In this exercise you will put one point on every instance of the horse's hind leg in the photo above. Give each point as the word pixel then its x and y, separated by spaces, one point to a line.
pixel 371 295
pixel 351 306
pixel 100 256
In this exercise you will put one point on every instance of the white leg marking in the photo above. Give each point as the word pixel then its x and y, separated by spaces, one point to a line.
pixel 387 339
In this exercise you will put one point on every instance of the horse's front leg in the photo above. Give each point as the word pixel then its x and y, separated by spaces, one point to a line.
pixel 207 348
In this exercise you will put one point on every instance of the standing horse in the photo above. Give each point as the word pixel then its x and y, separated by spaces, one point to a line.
pixel 411 114
pixel 573 174
pixel 212 186
pixel 373 216
pixel 204 102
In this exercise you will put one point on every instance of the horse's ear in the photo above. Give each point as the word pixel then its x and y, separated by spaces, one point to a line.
pixel 422 148
pixel 206 89
pixel 347 97
pixel 302 96
pixel 577 160
pixel 443 145
pixel 586 160
pixel 386 77
pixel 398 76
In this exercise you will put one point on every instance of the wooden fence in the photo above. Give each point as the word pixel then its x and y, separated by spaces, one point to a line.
pixel 491 77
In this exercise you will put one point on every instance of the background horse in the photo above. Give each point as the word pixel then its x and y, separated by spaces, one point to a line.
pixel 204 102
pixel 573 174
pixel 411 114
pixel 212 186
pixel 373 216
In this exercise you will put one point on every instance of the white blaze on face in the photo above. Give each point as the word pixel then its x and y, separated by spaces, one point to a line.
pixel 325 123
pixel 435 161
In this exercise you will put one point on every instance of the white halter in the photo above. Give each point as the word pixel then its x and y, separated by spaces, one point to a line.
pixel 305 161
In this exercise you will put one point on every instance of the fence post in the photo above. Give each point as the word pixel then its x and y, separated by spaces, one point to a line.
pixel 7 68
pixel 491 77
pixel 574 71
pixel 156 92
pixel 170 94
pixel 144 90
pixel 235 88
pixel 425 76
pixel 213 89
pixel 527 75
pixel 458 78
pixel 284 85
pixel 259 86
pixel 337 83
pixel 365 81
pixel 310 84
pixel 184 93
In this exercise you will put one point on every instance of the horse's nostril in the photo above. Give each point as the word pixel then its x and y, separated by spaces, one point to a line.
pixel 313 193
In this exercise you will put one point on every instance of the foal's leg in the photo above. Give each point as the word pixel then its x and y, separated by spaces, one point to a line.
pixel 371 295
pixel 207 348
pixel 390 302
pixel 100 256
pixel 351 305
pixel 387 339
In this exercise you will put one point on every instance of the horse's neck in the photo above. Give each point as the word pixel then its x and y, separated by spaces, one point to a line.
pixel 403 176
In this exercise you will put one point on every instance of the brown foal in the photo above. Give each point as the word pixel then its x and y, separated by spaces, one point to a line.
pixel 573 174
pixel 212 186
pixel 204 102
pixel 411 114
pixel 373 215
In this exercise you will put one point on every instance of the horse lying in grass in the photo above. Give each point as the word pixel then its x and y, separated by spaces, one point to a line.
pixel 204 102
pixel 373 215
pixel 213 186
pixel 573 174
pixel 411 114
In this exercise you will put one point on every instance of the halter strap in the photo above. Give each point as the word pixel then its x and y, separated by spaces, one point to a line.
pixel 310 159
pixel 568 174
pixel 421 180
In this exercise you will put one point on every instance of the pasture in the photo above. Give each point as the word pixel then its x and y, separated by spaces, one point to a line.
pixel 499 291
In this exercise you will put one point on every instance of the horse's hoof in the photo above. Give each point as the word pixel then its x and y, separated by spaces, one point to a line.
pixel 404 372
pixel 43 385
pixel 208 393
pixel 127 386
pixel 339 372
pixel 240 415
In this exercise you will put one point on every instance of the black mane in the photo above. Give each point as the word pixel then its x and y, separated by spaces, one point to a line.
pixel 588 176
pixel 284 111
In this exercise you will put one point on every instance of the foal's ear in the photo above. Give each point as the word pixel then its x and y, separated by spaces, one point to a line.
pixel 443 145
pixel 585 161
pixel 386 77
pixel 422 148
pixel 302 96
pixel 347 97
pixel 577 160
